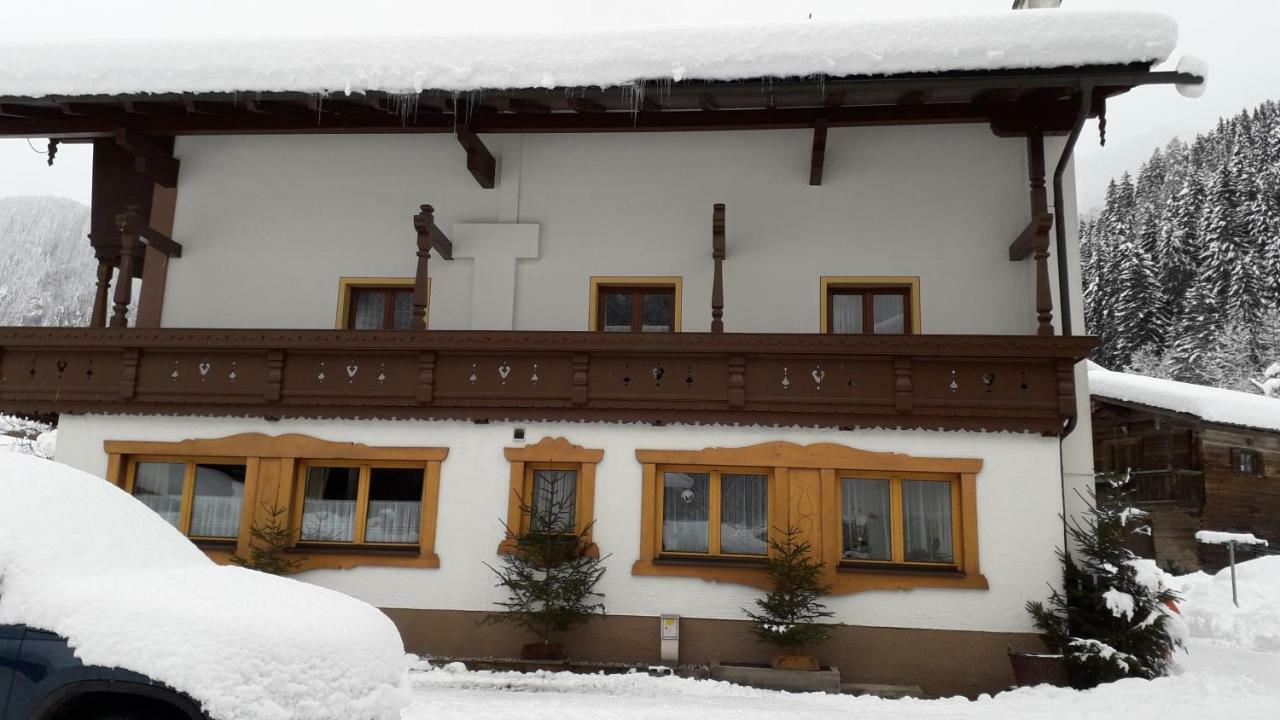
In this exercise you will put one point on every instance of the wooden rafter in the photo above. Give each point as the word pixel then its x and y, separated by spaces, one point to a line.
pixel 818 156
pixel 148 157
pixel 479 160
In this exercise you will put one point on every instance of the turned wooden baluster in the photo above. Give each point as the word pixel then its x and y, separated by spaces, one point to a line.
pixel 1039 207
pixel 423 222
pixel 128 223
pixel 717 283
pixel 102 294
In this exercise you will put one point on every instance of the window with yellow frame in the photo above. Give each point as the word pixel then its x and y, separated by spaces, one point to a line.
pixel 556 480
pixel 203 498
pixel 376 303
pixel 713 512
pixel 892 519
pixel 360 503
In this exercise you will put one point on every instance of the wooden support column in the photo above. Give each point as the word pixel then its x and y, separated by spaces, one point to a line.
pixel 717 283
pixel 155 266
pixel 422 223
pixel 1039 209
pixel 101 294
pixel 127 222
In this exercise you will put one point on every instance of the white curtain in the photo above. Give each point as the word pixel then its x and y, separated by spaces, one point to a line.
pixel 328 520
pixel 846 313
pixel 392 521
pixel 864 515
pixel 685 498
pixel 744 514
pixel 926 521
pixel 219 495
pixel 554 497
pixel 888 314
pixel 159 487
pixel 371 308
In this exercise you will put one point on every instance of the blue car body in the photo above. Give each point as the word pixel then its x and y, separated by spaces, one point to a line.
pixel 42 679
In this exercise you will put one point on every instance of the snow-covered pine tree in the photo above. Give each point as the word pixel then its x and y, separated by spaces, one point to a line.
pixel 1111 619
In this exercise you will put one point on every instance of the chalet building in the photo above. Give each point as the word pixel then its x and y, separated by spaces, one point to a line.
pixel 714 282
pixel 1197 458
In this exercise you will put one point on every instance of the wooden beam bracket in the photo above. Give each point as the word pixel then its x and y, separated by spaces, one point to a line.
pixel 131 220
pixel 149 158
pixel 1022 247
pixel 818 156
pixel 479 160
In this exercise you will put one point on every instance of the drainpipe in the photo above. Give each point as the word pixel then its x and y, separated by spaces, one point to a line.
pixel 1064 286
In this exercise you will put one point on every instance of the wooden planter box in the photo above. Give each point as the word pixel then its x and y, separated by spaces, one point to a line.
pixel 762 676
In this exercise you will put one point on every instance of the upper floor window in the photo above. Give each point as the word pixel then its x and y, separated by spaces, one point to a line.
pixel 375 303
pixel 871 306
pixel 1246 461
pixel 202 499
pixel 635 304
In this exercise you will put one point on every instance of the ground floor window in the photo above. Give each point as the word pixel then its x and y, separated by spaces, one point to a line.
pixel 874 520
pixel 552 489
pixel 344 504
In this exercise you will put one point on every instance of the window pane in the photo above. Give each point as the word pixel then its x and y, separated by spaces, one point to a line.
pixel 744 514
pixel 395 505
pixel 554 494
pixel 159 487
pixel 401 309
pixel 846 313
pixel 889 314
pixel 371 310
pixel 864 519
pixel 617 311
pixel 329 504
pixel 656 312
pixel 685 502
pixel 926 521
pixel 215 506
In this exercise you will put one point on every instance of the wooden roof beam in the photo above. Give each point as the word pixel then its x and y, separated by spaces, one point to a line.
pixel 480 161
pixel 584 105
pixel 149 158
pixel 818 155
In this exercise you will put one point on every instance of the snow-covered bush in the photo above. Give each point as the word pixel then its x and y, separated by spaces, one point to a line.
pixel 1112 618
pixel 81 558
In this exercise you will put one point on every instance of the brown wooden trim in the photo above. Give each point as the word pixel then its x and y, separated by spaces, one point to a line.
pixel 551 452
pixel 717 256
pixel 290 445
pixel 155 267
pixel 805 491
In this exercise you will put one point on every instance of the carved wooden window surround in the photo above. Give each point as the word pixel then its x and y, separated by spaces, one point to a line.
pixel 274 473
pixel 636 288
pixel 906 289
pixel 390 292
pixel 551 454
pixel 804 490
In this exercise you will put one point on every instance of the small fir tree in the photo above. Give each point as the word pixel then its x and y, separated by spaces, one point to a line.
pixel 268 542
pixel 551 570
pixel 1111 619
pixel 788 615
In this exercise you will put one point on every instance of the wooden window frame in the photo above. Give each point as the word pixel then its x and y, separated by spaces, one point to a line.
pixel 272 470
pixel 673 283
pixel 188 490
pixel 907 285
pixel 557 454
pixel 1110 447
pixel 363 483
pixel 1238 452
pixel 897 541
pixel 805 492
pixel 348 286
pixel 714 553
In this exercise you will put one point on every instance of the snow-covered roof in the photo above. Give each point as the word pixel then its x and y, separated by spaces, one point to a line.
pixel 405 59
pixel 81 558
pixel 1211 404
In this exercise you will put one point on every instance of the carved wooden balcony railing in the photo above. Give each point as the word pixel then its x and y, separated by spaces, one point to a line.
pixel 1020 383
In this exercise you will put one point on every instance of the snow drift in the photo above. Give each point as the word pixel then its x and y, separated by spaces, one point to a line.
pixel 1255 625
pixel 81 558
pixel 399 57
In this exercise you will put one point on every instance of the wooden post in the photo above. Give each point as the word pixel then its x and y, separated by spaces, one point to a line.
pixel 1039 207
pixel 101 294
pixel 128 224
pixel 717 283
pixel 423 222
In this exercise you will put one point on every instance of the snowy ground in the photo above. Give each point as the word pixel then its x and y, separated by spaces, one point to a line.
pixel 1231 670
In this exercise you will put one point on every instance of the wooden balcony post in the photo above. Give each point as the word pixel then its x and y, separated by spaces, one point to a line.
pixel 102 294
pixel 128 224
pixel 717 283
pixel 423 222
pixel 1039 208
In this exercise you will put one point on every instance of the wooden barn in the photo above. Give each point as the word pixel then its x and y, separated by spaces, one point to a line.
pixel 1198 458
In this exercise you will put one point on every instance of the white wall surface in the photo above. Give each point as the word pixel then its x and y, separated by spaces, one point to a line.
pixel 1018 501
pixel 269 223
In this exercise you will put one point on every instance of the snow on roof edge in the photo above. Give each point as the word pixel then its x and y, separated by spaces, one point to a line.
pixel 403 60
pixel 1227 407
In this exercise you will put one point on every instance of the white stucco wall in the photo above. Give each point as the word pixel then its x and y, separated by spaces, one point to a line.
pixel 1018 501
pixel 269 223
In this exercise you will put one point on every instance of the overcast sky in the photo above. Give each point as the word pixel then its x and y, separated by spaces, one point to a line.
pixel 1236 37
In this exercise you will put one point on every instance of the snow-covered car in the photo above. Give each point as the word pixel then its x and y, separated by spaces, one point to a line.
pixel 87 564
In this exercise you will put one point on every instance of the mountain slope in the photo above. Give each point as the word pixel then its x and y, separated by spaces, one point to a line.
pixel 47 269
